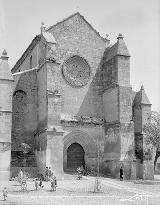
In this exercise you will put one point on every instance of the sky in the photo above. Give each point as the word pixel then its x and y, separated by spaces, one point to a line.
pixel 137 20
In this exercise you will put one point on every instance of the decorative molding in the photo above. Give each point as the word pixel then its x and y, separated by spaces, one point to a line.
pixel 76 71
pixel 81 138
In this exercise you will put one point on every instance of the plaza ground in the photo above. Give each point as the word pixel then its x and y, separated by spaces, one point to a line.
pixel 76 192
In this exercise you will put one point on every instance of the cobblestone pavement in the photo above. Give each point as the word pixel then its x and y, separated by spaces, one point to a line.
pixel 77 192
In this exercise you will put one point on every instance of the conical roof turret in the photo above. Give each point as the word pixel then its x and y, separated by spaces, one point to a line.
pixel 141 98
pixel 120 46
pixel 5 71
pixel 118 49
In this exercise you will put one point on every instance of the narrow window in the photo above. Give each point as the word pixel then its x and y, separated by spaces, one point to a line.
pixel 30 62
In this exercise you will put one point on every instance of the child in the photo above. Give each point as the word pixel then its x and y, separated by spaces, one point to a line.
pixel 53 183
pixel 5 192
pixel 36 183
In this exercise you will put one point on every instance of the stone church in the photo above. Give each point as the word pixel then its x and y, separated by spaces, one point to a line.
pixel 68 102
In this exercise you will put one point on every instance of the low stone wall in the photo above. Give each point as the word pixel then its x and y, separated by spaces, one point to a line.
pixel 31 171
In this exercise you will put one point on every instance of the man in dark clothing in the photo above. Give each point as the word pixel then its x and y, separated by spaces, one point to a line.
pixel 121 173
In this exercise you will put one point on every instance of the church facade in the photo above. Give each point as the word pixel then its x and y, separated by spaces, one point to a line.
pixel 73 105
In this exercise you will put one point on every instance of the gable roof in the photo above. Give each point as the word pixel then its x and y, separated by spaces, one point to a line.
pixel 28 50
pixel 71 16
pixel 38 38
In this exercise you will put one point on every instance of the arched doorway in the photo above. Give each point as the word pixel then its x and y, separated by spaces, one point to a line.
pixel 75 156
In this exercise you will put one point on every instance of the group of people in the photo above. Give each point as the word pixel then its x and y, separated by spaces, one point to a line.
pixel 48 173
pixel 49 176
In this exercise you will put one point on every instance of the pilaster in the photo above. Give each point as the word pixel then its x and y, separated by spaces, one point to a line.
pixel 6 90
pixel 54 151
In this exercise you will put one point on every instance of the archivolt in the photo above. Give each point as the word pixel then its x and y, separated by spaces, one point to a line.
pixel 79 137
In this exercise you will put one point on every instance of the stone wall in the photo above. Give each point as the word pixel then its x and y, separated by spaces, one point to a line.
pixel 137 119
pixel 30 109
pixel 24 110
pixel 123 68
pixel 119 150
pixel 125 104
pixel 75 37
pixel 42 99
pixel 110 105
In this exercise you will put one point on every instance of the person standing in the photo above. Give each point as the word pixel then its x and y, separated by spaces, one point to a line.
pixel 46 174
pixel 20 176
pixel 5 193
pixel 21 173
pixel 36 183
pixel 50 172
pixel 121 173
pixel 53 183
pixel 40 182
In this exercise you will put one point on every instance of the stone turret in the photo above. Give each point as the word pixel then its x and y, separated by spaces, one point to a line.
pixel 141 113
pixel 117 103
pixel 142 108
pixel 6 89
pixel 122 61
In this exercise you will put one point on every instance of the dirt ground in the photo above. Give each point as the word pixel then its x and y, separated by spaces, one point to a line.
pixel 76 192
